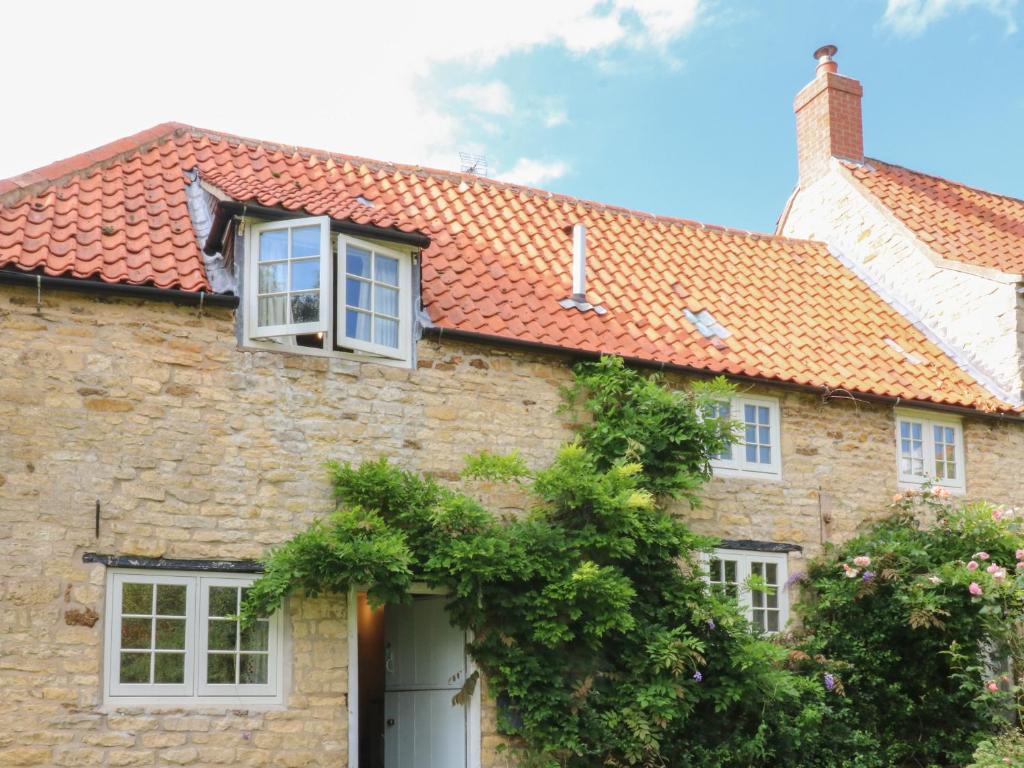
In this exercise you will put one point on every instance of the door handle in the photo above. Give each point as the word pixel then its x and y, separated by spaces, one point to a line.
pixel 390 722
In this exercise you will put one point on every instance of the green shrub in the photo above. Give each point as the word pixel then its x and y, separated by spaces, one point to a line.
pixel 1001 751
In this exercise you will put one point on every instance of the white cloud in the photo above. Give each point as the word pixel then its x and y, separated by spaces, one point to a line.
pixel 494 97
pixel 555 117
pixel 534 173
pixel 912 17
pixel 374 79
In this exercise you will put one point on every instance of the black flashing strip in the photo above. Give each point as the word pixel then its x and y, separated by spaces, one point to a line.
pixel 752 545
pixel 574 355
pixel 276 214
pixel 172 564
pixel 86 285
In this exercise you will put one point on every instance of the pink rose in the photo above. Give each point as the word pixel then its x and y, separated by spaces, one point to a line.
pixel 997 513
pixel 992 568
pixel 1020 566
pixel 999 574
pixel 972 566
pixel 974 589
pixel 897 498
pixel 992 686
pixel 1020 554
pixel 862 561
pixel 982 555
pixel 851 573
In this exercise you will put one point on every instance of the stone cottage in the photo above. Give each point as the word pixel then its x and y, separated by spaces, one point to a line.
pixel 191 323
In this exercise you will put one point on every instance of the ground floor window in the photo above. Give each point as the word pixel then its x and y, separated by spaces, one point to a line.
pixel 177 636
pixel 757 581
pixel 407 666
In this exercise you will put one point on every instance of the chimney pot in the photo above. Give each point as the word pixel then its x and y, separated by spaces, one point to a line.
pixel 825 61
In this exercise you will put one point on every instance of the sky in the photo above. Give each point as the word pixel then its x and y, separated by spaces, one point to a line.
pixel 676 107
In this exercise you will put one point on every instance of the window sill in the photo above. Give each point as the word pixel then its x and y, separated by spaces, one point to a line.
pixel 745 474
pixel 358 357
pixel 159 704
pixel 915 485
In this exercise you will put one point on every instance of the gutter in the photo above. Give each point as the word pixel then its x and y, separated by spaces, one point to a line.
pixel 151 292
pixel 581 355
pixel 228 208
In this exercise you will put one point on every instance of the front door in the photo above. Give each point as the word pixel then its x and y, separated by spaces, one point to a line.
pixel 424 667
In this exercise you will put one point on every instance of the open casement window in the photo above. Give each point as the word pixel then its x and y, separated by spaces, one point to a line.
pixel 289 272
pixel 374 298
pixel 174 638
pixel 929 449
pixel 733 573
pixel 755 452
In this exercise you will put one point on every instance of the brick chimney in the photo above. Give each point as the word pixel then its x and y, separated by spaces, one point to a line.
pixel 828 121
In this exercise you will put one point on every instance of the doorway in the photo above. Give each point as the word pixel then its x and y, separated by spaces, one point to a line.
pixel 409 664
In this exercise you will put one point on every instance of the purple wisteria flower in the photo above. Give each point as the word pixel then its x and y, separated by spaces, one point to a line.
pixel 797 578
pixel 711 624
pixel 698 676
pixel 830 681
pixel 868 575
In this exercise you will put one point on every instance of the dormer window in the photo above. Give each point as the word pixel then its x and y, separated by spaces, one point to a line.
pixel 313 292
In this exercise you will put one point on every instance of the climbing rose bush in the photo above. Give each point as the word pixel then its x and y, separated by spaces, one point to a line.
pixel 919 624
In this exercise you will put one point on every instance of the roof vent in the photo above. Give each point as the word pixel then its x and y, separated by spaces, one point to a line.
pixel 578 298
pixel 707 325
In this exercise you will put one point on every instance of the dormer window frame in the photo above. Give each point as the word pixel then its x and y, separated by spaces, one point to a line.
pixel 327 337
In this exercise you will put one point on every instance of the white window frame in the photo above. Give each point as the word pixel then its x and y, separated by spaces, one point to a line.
pixel 928 421
pixel 745 558
pixel 738 466
pixel 252 278
pixel 193 691
pixel 404 299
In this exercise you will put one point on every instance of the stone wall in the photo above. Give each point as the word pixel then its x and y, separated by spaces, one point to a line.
pixel 976 310
pixel 198 449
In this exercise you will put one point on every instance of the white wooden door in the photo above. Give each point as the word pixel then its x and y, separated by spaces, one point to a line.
pixel 425 666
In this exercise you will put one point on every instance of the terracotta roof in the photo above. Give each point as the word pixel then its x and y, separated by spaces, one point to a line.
pixel 499 261
pixel 957 222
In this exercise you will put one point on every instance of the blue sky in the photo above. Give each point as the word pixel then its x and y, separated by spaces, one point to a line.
pixel 679 107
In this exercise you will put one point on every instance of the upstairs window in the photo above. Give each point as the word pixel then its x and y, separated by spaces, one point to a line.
pixel 292 268
pixel 316 293
pixel 755 453
pixel 929 449
pixel 733 573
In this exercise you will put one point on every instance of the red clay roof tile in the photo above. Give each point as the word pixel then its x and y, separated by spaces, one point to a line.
pixel 499 261
pixel 957 222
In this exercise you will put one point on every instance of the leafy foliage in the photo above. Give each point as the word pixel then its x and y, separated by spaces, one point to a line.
pixel 607 648
pixel 894 609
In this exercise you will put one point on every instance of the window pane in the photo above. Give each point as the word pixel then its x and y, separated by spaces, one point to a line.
pixel 135 667
pixel 752 453
pixel 273 278
pixel 357 325
pixel 252 669
pixel 357 293
pixel 305 242
pixel 274 245
pixel 273 311
pixel 357 261
pixel 305 274
pixel 386 270
pixel 715 570
pixel 758 619
pixel 170 633
pixel 762 414
pixel 305 307
pixel 773 621
pixel 222 635
pixel 137 598
pixel 170 599
pixel 256 637
pixel 730 570
pixel 169 668
pixel 766 455
pixel 136 633
pixel 771 573
pixel 385 332
pixel 220 668
pixel 385 301
pixel 223 601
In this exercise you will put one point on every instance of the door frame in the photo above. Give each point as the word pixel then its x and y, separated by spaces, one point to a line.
pixel 473 737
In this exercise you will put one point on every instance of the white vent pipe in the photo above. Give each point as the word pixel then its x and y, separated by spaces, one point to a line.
pixel 579 262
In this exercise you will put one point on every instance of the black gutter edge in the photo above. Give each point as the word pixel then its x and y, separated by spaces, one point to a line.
pixel 227 208
pixel 86 285
pixel 172 564
pixel 753 545
pixel 580 355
